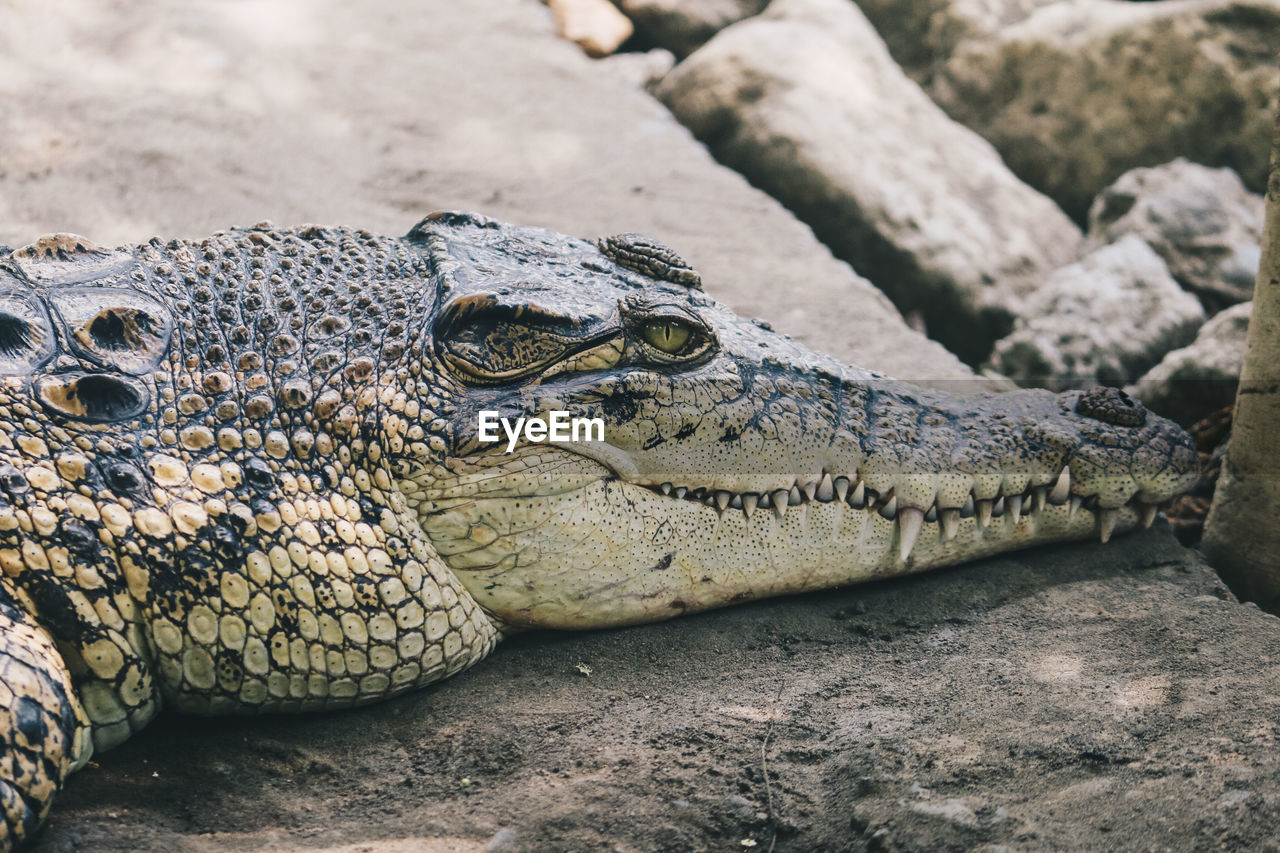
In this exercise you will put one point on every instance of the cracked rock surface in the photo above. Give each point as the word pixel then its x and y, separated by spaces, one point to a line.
pixel 1203 222
pixel 1106 318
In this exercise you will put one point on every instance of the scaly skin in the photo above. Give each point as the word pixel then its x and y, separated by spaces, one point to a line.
pixel 243 474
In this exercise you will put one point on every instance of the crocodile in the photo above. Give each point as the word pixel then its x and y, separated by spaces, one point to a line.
pixel 245 474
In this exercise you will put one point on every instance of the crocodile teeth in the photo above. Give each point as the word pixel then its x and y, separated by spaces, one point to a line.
pixel 736 502
pixel 842 488
pixel 1107 523
pixel 780 500
pixel 1062 488
pixel 1038 497
pixel 749 503
pixel 984 513
pixel 666 488
pixel 932 515
pixel 1076 500
pixel 889 510
pixel 997 508
pixel 794 498
pixel 1014 502
pixel 681 491
pixel 1146 514
pixel 810 489
pixel 858 499
pixel 909 520
pixel 967 510
pixel 722 499
pixel 826 491
pixel 950 523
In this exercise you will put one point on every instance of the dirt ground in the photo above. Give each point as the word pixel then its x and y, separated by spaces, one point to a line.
pixel 1081 697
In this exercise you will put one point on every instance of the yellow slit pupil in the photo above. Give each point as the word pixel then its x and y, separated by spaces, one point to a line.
pixel 670 336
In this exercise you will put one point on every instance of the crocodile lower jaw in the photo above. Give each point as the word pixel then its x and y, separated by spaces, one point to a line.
pixel 595 550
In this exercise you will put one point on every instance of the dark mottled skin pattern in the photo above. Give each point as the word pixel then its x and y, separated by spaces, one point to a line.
pixel 206 449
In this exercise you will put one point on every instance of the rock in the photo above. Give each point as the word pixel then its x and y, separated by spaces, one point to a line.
pixel 682 26
pixel 1190 383
pixel 595 25
pixel 1082 91
pixel 643 70
pixel 1106 318
pixel 1202 221
pixel 950 809
pixel 805 100
pixel 922 34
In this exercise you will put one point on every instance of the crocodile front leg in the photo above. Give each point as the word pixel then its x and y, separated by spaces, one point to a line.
pixel 44 733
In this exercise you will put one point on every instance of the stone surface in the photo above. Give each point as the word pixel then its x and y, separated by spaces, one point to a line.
pixel 596 26
pixel 1203 222
pixel 301 113
pixel 1080 92
pixel 922 34
pixel 1106 318
pixel 805 100
pixel 682 26
pixel 642 70
pixel 1191 382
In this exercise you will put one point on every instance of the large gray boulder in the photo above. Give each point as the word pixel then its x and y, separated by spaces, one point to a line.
pixel 807 103
pixel 1079 92
pixel 1106 318
pixel 682 26
pixel 1191 382
pixel 1202 221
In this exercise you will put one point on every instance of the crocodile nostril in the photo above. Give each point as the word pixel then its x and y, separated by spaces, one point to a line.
pixel 1111 406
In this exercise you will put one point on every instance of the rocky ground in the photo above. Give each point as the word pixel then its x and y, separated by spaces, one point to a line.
pixel 1082 697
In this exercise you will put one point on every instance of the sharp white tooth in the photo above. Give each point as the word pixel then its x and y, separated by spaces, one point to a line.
pixel 681 491
pixel 967 510
pixel 736 502
pixel 1038 495
pixel 1062 488
pixel 749 502
pixel 890 510
pixel 858 499
pixel 666 488
pixel 984 513
pixel 1107 523
pixel 722 499
pixel 909 520
pixel 1076 500
pixel 997 508
pixel 780 501
pixel 932 515
pixel 794 498
pixel 1014 503
pixel 826 490
pixel 842 488
pixel 766 500
pixel 1146 514
pixel 950 523
pixel 810 489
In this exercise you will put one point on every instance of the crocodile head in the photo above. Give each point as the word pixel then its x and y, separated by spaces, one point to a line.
pixel 734 463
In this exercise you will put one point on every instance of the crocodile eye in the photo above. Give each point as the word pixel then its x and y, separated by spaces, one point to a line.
pixel 668 334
